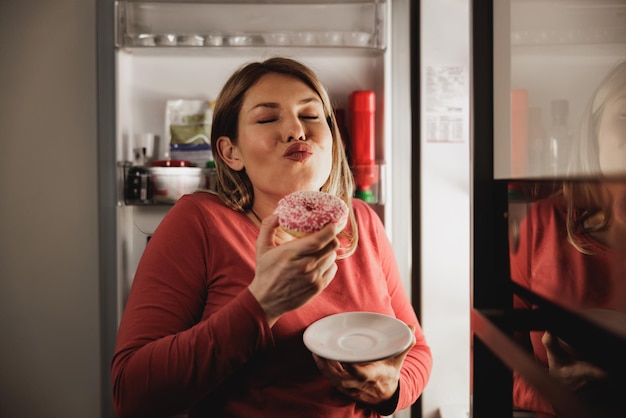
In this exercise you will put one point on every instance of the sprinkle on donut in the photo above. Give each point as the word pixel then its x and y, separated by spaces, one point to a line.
pixel 304 212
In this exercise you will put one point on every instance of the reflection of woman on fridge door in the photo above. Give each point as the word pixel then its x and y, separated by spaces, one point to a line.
pixel 215 318
pixel 573 248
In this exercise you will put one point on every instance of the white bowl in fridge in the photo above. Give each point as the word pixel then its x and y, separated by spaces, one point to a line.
pixel 171 183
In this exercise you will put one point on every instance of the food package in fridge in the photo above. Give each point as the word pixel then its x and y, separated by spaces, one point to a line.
pixel 188 130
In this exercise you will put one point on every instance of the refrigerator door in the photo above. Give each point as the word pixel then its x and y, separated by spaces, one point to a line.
pixel 549 87
pixel 550 56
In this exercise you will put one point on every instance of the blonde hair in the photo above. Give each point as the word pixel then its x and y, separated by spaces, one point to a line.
pixel 585 160
pixel 584 202
pixel 584 198
pixel 234 188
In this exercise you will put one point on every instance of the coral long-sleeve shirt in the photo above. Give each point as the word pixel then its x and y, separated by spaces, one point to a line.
pixel 193 338
pixel 546 263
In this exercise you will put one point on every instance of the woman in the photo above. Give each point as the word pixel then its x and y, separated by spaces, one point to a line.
pixel 221 297
pixel 573 247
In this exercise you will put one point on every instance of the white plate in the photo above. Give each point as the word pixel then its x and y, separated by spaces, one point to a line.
pixel 357 337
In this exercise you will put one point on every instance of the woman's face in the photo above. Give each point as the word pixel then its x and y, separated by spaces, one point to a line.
pixel 612 136
pixel 284 143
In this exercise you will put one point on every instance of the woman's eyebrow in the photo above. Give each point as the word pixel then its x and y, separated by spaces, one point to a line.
pixel 274 105
pixel 270 105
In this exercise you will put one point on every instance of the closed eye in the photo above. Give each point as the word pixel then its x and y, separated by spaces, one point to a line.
pixel 273 119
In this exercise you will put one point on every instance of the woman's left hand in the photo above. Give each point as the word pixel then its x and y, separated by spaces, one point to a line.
pixel 580 376
pixel 370 383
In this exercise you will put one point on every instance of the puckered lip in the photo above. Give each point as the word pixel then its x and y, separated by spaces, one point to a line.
pixel 299 151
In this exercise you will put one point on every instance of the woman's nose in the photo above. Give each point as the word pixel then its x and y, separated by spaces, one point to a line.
pixel 294 129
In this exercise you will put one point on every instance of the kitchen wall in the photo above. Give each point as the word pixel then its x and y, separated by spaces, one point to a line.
pixel 49 312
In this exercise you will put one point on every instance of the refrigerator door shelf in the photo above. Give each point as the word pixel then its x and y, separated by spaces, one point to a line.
pixel 328 23
pixel 567 23
pixel 270 39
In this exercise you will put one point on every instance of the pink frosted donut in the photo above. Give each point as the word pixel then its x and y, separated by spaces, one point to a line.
pixel 302 213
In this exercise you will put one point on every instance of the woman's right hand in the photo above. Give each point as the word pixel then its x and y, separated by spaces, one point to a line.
pixel 290 274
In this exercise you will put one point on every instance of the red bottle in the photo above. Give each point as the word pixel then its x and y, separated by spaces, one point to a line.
pixel 363 143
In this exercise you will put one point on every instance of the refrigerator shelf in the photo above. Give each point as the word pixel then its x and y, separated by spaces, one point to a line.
pixel 336 24
pixel 318 39
pixel 567 23
pixel 201 52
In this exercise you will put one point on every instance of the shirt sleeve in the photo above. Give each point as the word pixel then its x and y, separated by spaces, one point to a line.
pixel 167 356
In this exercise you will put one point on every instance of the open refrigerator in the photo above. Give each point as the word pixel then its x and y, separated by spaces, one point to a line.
pixel 170 52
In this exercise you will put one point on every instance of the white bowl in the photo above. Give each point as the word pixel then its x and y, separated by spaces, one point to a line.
pixel 170 183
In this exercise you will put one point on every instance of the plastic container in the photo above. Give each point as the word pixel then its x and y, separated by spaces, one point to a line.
pixel 170 183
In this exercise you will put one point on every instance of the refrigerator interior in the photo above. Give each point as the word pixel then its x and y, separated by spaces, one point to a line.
pixel 148 75
pixel 147 79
